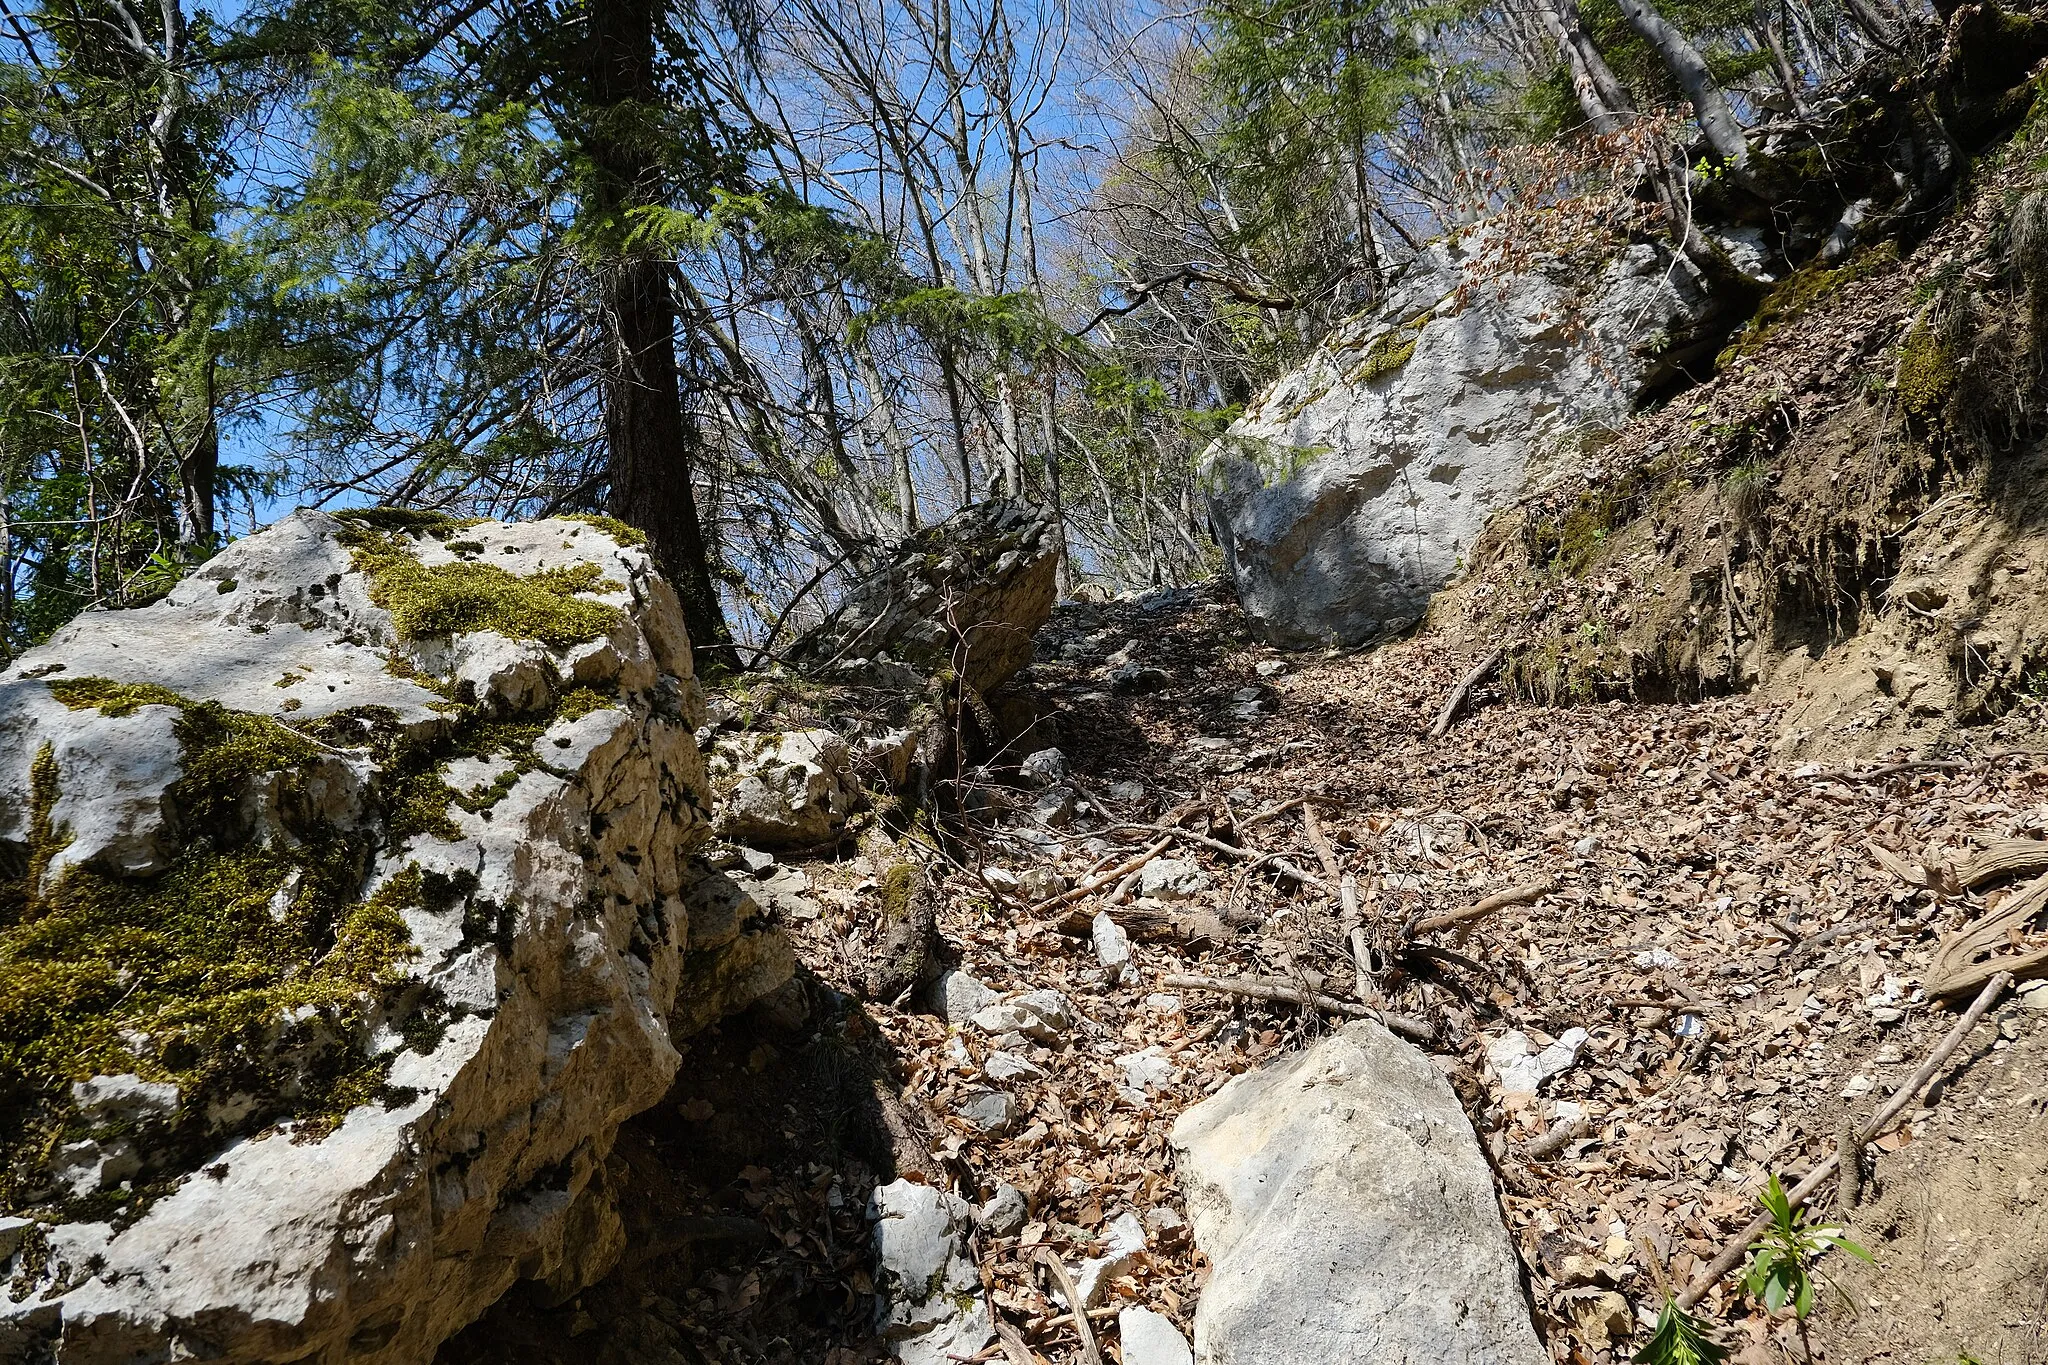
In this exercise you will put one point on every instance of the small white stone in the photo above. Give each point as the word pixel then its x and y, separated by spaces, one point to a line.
pixel 1149 1339
pixel 1007 1066
pixel 1126 1243
pixel 12 1230
pixel 1148 1070
pixel 1112 947
pixel 959 996
pixel 1170 879
pixel 1041 883
pixel 1857 1088
pixel 1043 768
pixel 1005 1211
pixel 991 1111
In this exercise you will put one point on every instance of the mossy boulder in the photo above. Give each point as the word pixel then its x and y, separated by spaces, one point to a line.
pixel 344 915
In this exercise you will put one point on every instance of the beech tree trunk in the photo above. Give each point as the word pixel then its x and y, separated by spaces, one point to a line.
pixel 1600 96
pixel 651 441
pixel 1717 120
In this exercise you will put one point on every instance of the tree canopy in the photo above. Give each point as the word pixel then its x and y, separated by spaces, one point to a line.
pixel 775 285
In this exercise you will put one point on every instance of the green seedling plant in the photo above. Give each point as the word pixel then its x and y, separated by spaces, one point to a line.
pixel 1782 1261
pixel 1680 1339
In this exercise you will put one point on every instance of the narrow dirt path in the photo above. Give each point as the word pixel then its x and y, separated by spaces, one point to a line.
pixel 1730 959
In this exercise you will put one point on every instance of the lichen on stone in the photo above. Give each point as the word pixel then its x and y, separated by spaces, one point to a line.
pixel 436 600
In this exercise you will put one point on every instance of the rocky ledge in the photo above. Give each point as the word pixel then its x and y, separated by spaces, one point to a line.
pixel 347 913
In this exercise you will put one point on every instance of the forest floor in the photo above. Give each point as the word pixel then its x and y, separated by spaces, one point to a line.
pixel 1742 938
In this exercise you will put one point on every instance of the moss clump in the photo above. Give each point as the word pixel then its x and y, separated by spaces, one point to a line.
pixel 611 526
pixel 1388 352
pixel 112 698
pixel 901 885
pixel 247 972
pixel 427 601
pixel 1927 373
pixel 581 701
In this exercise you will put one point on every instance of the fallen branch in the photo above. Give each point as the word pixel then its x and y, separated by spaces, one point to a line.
pixel 1148 924
pixel 1014 1349
pixel 1258 988
pixel 1091 1354
pixel 1732 1252
pixel 1514 895
pixel 2003 858
pixel 1109 878
pixel 1449 714
pixel 1925 765
pixel 1955 969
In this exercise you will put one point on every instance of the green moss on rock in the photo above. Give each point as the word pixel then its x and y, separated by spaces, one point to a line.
pixel 1388 353
pixel 428 601
pixel 112 698
pixel 1927 373
pixel 611 526
pixel 247 973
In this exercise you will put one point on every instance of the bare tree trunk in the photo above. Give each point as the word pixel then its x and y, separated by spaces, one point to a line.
pixel 1788 76
pixel 1717 120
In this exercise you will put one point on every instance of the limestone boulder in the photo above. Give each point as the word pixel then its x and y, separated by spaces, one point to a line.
pixel 783 789
pixel 964 596
pixel 929 1304
pixel 1347 1210
pixel 1354 487
pixel 346 915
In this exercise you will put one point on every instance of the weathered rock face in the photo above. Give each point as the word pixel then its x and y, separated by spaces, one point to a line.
pixel 1351 491
pixel 1349 1215
pixel 345 919
pixel 965 595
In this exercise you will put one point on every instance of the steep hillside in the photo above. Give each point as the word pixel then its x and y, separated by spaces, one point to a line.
pixel 1847 520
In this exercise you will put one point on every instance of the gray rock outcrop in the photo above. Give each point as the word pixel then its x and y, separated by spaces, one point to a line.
pixel 1354 487
pixel 354 875
pixel 1348 1213
pixel 783 789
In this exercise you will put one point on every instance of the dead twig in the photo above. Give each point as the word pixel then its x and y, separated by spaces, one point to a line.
pixel 1446 717
pixel 1291 803
pixel 1115 874
pixel 1556 1140
pixel 1259 988
pixel 1091 1354
pixel 1925 765
pixel 1733 1251
pixel 1514 895
pixel 1189 836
